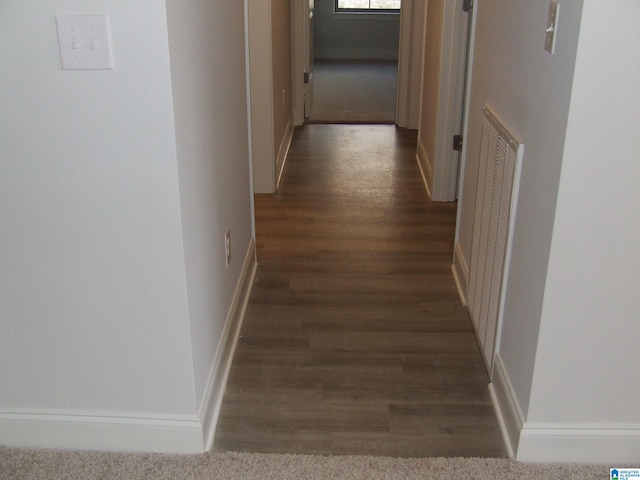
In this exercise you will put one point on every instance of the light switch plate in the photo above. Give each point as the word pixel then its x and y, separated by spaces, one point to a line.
pixel 85 42
pixel 551 32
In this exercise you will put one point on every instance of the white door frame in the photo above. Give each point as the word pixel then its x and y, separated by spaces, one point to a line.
pixel 261 94
pixel 467 105
pixel 298 54
pixel 410 60
pixel 446 162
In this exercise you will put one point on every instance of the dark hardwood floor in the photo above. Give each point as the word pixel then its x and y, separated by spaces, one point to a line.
pixel 355 341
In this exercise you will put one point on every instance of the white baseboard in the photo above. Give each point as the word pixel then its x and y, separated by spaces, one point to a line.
pixel 603 444
pixel 425 166
pixel 58 430
pixel 612 444
pixel 283 151
pixel 356 53
pixel 507 408
pixel 132 433
pixel 219 373
pixel 460 273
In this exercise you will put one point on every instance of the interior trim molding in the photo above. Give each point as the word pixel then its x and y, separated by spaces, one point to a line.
pixel 551 442
pixel 219 373
pixel 60 430
pixel 505 402
pixel 263 141
pixel 579 443
pixel 298 63
pixel 283 151
pixel 425 166
pixel 460 273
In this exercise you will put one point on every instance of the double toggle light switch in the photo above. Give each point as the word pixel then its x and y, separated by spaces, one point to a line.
pixel 85 42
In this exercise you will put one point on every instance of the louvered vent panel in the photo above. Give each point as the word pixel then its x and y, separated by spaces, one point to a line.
pixel 499 153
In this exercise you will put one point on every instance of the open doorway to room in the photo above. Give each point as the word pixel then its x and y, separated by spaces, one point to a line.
pixel 354 61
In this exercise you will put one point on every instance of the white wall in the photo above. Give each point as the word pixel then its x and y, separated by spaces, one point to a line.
pixel 410 63
pixel 529 90
pixel 432 66
pixel 262 105
pixel 270 48
pixel 210 105
pixel 113 289
pixel 586 375
pixel 566 381
pixel 281 42
pixel 94 301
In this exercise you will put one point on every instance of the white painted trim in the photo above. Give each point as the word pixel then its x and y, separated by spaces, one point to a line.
pixel 460 271
pixel 247 65
pixel 404 65
pixel 283 151
pixel 308 43
pixel 582 443
pixel 506 269
pixel 219 373
pixel 261 92
pixel 356 53
pixel 297 69
pixel 411 64
pixel 377 17
pixel 506 404
pixel 567 443
pixel 465 114
pixel 425 166
pixel 450 102
pixel 60 430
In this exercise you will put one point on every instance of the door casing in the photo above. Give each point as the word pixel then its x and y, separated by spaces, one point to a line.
pixel 436 156
pixel 410 60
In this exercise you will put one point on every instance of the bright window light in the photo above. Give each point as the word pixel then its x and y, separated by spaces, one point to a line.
pixel 370 5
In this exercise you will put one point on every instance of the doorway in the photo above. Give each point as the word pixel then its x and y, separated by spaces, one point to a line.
pixel 355 61
pixel 429 99
pixel 353 70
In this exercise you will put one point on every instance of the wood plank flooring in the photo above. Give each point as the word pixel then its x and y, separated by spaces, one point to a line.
pixel 355 341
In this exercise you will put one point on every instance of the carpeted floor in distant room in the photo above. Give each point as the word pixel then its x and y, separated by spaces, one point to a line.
pixel 354 91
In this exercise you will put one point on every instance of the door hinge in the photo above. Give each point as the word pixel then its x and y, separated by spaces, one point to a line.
pixel 457 142
pixel 467 5
pixel 306 77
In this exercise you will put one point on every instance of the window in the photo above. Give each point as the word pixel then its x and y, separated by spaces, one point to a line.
pixel 368 5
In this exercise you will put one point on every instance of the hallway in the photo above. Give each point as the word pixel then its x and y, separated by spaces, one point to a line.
pixel 355 341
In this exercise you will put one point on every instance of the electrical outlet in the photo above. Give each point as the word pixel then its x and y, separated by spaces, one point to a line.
pixel 227 247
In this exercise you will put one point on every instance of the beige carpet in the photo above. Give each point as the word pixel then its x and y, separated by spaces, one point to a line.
pixel 54 465
pixel 358 91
